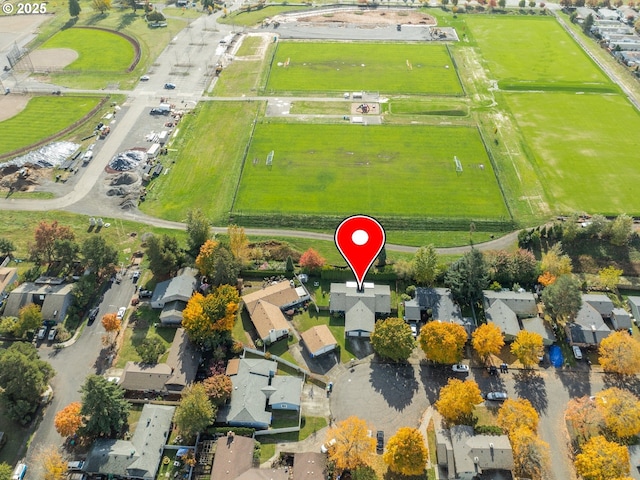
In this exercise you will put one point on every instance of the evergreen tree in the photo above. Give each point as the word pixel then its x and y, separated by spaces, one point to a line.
pixel 74 8
pixel 104 407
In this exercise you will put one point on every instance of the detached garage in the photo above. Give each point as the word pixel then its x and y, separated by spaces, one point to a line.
pixel 319 340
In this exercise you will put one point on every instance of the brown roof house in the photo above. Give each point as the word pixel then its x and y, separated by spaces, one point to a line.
pixel 360 309
pixel 309 466
pixel 467 456
pixel 171 377
pixel 319 340
pixel 265 308
pixel 234 460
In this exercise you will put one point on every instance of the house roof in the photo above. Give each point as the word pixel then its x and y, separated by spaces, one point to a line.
pixel 287 390
pixel 600 302
pixel 267 317
pixel 344 296
pixel 539 326
pixel 523 304
pixel 439 301
pixel 503 317
pixel 488 452
pixel 634 299
pixel 138 457
pixel 173 310
pixel 183 360
pixel 279 294
pixel 142 377
pixel 52 299
pixel 360 317
pixel 7 276
pixel 317 338
pixel 181 286
pixel 622 317
pixel 309 466
pixel 589 327
pixel 234 456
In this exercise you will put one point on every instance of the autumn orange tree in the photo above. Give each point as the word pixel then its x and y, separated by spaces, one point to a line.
pixel 620 353
pixel 517 413
pixel 457 400
pixel 68 420
pixel 527 347
pixel 547 278
pixel 442 342
pixel 218 388
pixel 621 411
pixel 531 456
pixel 353 446
pixel 111 322
pixel 487 340
pixel 45 237
pixel 585 417
pixel 205 318
pixel 406 452
pixel 601 459
pixel 311 260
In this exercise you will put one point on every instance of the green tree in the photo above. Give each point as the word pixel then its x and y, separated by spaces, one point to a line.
pixel 104 408
pixel 467 277
pixel 289 264
pixel 425 265
pixel 570 228
pixel 74 8
pixel 66 253
pixel 195 412
pixel 382 257
pixel 527 347
pixel 563 299
pixel 155 16
pixel 442 342
pixel 6 471
pixel 406 452
pixel 29 318
pixel 6 247
pixel 502 3
pixel 392 339
pixel 587 24
pixel 523 267
pixel 165 257
pixel 198 229
pixel 99 256
pixel 23 378
pixel 621 229
pixel 150 349
pixel 217 263
pixel 555 261
pixel 83 293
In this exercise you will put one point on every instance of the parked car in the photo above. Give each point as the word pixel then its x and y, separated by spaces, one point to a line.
pixel 414 329
pixel 379 441
pixel 460 368
pixel 324 448
pixel 145 294
pixel 42 333
pixel 121 312
pixel 577 353
pixel 135 276
pixel 144 78
pixel 497 396
pixel 75 465
pixel 169 86
pixel 93 314
pixel 52 334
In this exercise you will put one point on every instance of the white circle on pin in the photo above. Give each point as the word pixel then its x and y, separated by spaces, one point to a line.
pixel 360 237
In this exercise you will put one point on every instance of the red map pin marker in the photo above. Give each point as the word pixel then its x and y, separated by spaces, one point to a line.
pixel 360 239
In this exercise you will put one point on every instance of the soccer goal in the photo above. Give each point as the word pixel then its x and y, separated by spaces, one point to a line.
pixel 458 164
pixel 270 158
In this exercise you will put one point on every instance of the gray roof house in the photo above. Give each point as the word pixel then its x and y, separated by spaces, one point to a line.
pixel 539 326
pixel 504 318
pixel 589 328
pixel 634 306
pixel 523 304
pixel 620 319
pixel 53 298
pixel 179 288
pixel 436 301
pixel 507 308
pixel 138 458
pixel 254 384
pixel 360 308
pixel 467 456
pixel 600 302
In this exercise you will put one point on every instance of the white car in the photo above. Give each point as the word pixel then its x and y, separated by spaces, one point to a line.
pixel 324 448
pixel 42 333
pixel 497 396
pixel 52 334
pixel 144 78
pixel 414 329
pixel 120 314
pixel 577 353
pixel 460 368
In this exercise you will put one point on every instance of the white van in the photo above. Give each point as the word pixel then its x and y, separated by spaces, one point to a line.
pixel 87 157
pixel 154 150
pixel 19 472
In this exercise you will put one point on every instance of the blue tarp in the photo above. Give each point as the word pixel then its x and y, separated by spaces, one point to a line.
pixel 182 451
pixel 555 356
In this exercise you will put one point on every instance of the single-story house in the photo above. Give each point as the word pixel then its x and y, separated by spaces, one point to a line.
pixel 256 390
pixel 54 298
pixel 507 309
pixel 600 302
pixel 180 287
pixel 589 328
pixel 504 318
pixel 171 314
pixel 170 377
pixel 634 306
pixel 8 275
pixel 434 303
pixel 138 458
pixel 539 326
pixel 360 308
pixel 627 14
pixel 309 466
pixel 467 456
pixel 523 304
pixel 620 319
pixel 265 308
pixel 319 340
pixel 234 460
pixel 607 14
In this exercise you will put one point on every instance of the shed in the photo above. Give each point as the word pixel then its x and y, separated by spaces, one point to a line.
pixel 620 319
pixel 319 340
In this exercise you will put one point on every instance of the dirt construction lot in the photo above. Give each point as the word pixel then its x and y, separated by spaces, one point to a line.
pixel 389 17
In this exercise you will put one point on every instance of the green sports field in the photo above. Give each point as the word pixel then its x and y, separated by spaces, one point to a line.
pixel 98 51
pixel 344 67
pixel 378 170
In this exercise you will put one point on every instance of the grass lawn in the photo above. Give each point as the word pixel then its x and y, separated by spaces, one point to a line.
pixel 16 436
pixel 554 60
pixel 310 425
pixel 207 169
pixel 583 157
pixel 249 46
pixel 243 75
pixel 43 116
pixel 438 107
pixel 341 169
pixel 137 331
pixel 98 51
pixel 320 108
pixel 344 67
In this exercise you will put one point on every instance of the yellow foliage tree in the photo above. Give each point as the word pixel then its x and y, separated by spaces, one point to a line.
pixel 487 340
pixel 206 261
pixel 517 413
pixel 406 452
pixel 527 347
pixel 205 317
pixel 555 261
pixel 601 459
pixel 53 465
pixel 238 243
pixel 547 278
pixel 620 353
pixel 353 446
pixel 457 399
pixel 111 322
pixel 68 420
pixel 530 454
pixel 442 342
pixel 621 410
pixel 609 278
pixel 585 417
